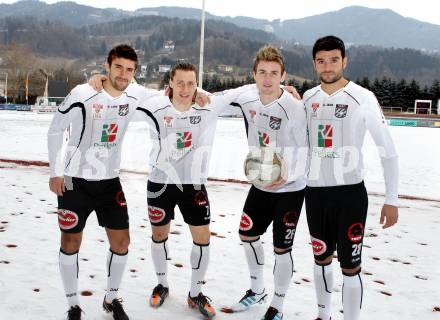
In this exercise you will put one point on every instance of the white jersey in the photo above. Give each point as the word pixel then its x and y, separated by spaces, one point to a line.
pixel 182 141
pixel 337 124
pixel 98 124
pixel 280 125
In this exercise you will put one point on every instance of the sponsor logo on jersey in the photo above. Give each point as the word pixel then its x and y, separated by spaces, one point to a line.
pixel 290 219
pixel 168 121
pixel 67 219
pixel 123 110
pixel 325 136
pixel 355 232
pixel 195 119
pixel 184 139
pixel 156 214
pixel 263 138
pixel 97 110
pixel 315 107
pixel 200 199
pixel 341 111
pixel 274 123
pixel 246 222
pixel 252 113
pixel 120 199
pixel 108 136
pixel 109 132
pixel 319 246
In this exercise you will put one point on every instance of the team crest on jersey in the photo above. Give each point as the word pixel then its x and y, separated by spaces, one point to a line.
pixel 195 119
pixel 274 123
pixel 123 110
pixel 168 121
pixel 246 222
pixel 97 110
pixel 252 113
pixel 341 111
pixel 315 107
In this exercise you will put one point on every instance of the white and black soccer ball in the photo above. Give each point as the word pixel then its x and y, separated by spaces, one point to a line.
pixel 262 166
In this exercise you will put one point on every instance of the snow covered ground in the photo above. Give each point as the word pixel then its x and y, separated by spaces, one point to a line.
pixel 400 265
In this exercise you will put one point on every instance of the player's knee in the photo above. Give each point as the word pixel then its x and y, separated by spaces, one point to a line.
pixel 282 250
pixel 325 261
pixel 70 243
pixel 246 238
pixel 202 237
pixel 160 235
pixel 120 245
pixel 351 271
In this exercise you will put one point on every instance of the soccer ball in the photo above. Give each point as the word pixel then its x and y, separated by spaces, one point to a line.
pixel 262 166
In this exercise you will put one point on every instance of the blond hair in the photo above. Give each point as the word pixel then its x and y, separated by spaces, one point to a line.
pixel 269 53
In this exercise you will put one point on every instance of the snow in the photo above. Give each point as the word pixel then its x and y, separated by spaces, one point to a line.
pixel 404 257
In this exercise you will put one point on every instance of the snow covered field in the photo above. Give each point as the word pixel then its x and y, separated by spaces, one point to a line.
pixel 400 267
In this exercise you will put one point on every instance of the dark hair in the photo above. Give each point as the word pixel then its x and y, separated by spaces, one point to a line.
pixel 271 54
pixel 122 51
pixel 184 66
pixel 329 43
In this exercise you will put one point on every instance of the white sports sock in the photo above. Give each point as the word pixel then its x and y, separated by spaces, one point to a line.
pixel 324 288
pixel 199 264
pixel 282 274
pixel 68 264
pixel 159 253
pixel 352 292
pixel 255 258
pixel 115 268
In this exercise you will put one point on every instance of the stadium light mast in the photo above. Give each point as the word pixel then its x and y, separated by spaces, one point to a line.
pixel 6 88
pixel 202 45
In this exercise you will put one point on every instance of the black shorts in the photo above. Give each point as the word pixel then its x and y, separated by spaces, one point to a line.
pixel 283 209
pixel 192 201
pixel 105 197
pixel 336 217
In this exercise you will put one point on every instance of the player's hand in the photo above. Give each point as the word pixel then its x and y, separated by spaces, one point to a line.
pixel 56 185
pixel 292 91
pixel 389 216
pixel 202 98
pixel 283 177
pixel 96 81
pixel 276 184
pixel 167 90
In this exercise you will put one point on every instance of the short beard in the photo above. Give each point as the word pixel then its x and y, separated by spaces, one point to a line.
pixel 335 79
pixel 116 87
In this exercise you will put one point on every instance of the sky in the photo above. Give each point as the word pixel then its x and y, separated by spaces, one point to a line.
pixel 424 10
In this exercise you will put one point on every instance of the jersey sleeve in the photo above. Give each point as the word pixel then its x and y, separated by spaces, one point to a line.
pixel 377 126
pixel 145 97
pixel 222 100
pixel 298 133
pixel 63 117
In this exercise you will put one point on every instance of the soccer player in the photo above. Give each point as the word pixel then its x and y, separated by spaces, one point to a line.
pixel 339 113
pixel 274 120
pixel 184 134
pixel 86 178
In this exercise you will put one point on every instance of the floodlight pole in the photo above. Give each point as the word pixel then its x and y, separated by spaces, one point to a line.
pixel 202 45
